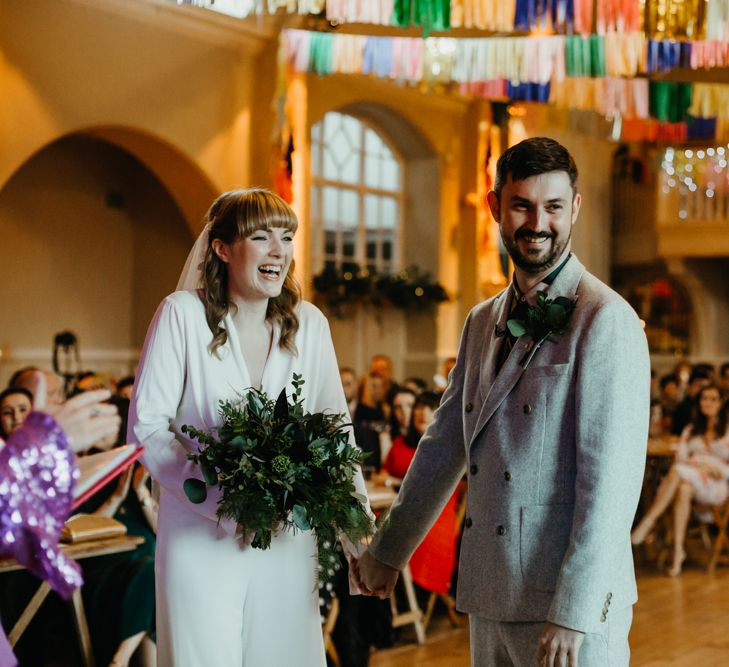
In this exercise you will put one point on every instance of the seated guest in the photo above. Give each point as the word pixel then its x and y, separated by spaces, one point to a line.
pixel 682 370
pixel 26 378
pixel 358 411
pixel 668 400
pixel 89 380
pixel 365 419
pixel 708 368
pixel 401 410
pixel 700 473
pixel 415 384
pixel 125 387
pixel 378 385
pixel 16 404
pixel 682 415
pixel 381 365
pixel 433 563
pixel 724 379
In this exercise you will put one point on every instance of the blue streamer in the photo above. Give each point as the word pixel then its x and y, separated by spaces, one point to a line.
pixel 383 59
pixel 528 92
pixel 369 55
pixel 701 128
pixel 524 15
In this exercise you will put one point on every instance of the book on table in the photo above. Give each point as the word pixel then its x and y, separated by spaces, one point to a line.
pixel 97 470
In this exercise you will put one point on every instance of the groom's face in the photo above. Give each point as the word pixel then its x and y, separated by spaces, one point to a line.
pixel 535 217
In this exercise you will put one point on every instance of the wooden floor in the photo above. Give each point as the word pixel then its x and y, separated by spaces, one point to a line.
pixel 681 622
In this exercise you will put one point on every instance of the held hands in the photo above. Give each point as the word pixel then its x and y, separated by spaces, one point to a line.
pixel 559 646
pixel 374 577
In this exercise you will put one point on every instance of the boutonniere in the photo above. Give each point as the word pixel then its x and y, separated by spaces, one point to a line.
pixel 545 319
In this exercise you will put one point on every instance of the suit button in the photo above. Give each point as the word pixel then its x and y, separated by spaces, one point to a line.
pixel 474 469
pixel 507 476
pixel 527 409
pixel 468 522
pixel 469 407
pixel 501 530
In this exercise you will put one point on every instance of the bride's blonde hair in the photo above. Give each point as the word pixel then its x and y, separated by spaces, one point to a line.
pixel 236 215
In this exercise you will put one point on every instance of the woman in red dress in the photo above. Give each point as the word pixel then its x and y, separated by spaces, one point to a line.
pixel 433 562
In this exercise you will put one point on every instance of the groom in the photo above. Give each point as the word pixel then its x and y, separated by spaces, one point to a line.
pixel 552 439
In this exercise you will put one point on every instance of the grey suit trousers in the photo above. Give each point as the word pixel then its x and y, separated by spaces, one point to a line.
pixel 498 644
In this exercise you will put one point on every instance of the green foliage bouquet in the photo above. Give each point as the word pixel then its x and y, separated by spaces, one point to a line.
pixel 281 468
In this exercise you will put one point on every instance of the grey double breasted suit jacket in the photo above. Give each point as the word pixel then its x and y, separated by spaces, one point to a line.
pixel 554 455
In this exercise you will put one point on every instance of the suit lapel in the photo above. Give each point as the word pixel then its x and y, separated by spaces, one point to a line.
pixel 494 339
pixel 496 388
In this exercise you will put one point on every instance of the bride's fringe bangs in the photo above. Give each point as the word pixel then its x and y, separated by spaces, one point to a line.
pixel 238 214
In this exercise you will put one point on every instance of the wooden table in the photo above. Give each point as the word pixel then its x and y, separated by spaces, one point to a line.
pixel 381 498
pixel 77 551
pixel 663 446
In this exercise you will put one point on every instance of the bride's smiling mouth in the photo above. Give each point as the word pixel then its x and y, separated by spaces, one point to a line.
pixel 270 271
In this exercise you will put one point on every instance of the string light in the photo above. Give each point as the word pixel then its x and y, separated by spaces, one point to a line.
pixel 700 179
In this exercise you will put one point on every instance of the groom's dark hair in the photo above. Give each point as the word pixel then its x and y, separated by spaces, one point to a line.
pixel 531 157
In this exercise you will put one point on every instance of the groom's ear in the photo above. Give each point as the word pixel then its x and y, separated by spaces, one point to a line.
pixel 494 204
pixel 221 250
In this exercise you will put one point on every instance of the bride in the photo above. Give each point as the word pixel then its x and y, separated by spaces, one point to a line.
pixel 238 322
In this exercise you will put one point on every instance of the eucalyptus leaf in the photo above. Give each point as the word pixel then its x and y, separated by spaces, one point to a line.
pixel 254 402
pixel 300 519
pixel 208 473
pixel 516 328
pixel 195 490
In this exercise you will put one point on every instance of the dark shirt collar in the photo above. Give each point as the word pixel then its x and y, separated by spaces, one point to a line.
pixel 547 280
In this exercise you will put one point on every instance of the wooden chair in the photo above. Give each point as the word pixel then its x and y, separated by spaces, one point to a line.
pixel 698 532
pixel 414 614
pixel 721 543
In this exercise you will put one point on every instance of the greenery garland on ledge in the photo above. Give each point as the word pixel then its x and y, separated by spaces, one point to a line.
pixel 410 289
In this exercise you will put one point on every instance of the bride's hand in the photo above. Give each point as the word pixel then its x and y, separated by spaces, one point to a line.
pixel 85 419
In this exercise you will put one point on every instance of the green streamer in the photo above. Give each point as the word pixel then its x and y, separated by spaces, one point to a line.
pixel 670 101
pixel 428 14
pixel 320 52
pixel 597 56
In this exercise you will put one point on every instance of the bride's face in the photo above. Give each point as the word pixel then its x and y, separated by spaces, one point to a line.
pixel 257 264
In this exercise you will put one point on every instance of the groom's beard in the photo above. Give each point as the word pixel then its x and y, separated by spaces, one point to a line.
pixel 540 259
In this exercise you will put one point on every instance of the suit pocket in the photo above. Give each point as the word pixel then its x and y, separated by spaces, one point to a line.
pixel 544 537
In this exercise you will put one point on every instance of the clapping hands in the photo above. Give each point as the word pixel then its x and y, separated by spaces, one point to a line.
pixel 85 419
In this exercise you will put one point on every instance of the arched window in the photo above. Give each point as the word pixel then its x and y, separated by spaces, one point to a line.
pixel 356 198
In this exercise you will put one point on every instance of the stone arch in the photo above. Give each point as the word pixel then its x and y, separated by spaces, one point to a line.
pixel 188 185
pixel 97 225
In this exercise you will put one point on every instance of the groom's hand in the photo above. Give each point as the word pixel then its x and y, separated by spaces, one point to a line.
pixel 375 577
pixel 559 646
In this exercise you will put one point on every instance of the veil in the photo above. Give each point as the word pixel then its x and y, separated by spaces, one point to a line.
pixel 191 276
